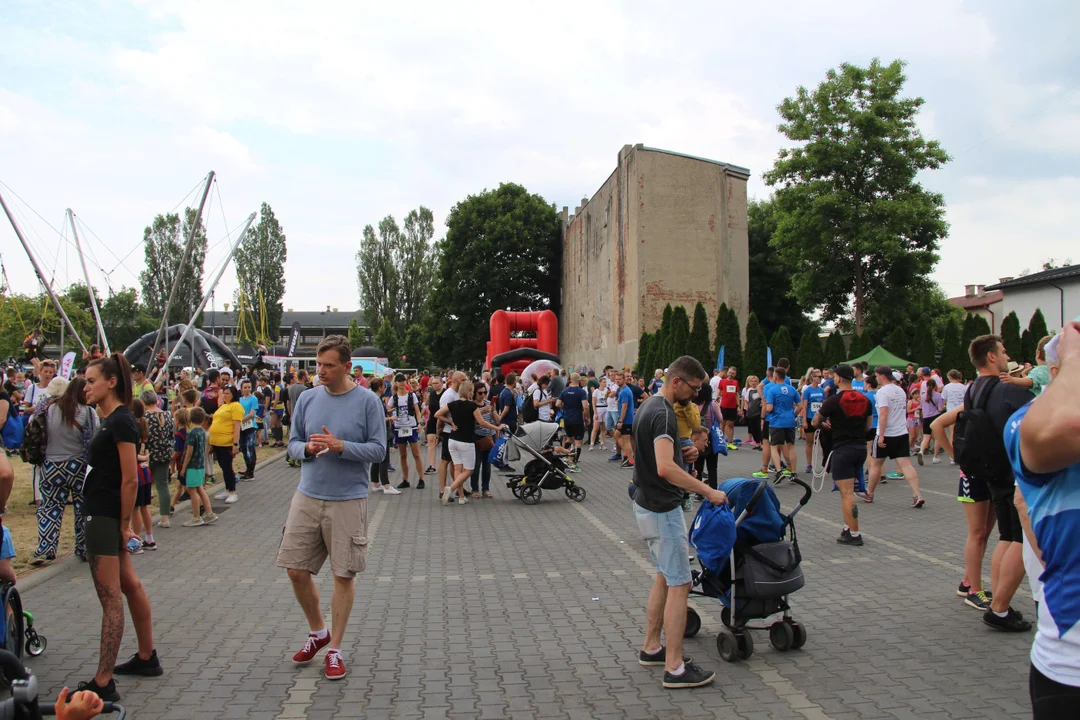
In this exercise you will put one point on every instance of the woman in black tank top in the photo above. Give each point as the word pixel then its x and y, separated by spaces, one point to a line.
pixel 434 394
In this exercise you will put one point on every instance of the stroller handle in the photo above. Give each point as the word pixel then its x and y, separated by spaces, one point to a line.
pixel 757 496
pixel 49 709
pixel 808 491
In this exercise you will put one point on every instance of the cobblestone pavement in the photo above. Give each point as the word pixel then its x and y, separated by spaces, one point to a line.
pixel 499 610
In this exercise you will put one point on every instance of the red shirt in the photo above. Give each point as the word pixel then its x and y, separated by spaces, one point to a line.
pixel 729 393
pixel 424 380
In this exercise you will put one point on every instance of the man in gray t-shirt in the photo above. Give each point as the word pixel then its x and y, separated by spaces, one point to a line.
pixel 660 481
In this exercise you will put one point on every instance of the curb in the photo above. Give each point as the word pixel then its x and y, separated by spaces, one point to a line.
pixel 45 574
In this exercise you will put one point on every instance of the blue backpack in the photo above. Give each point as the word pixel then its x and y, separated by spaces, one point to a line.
pixel 13 429
pixel 713 535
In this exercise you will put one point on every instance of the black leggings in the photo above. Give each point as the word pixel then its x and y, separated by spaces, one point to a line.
pixel 380 472
pixel 481 473
pixel 223 457
pixel 710 460
pixel 754 426
pixel 1051 700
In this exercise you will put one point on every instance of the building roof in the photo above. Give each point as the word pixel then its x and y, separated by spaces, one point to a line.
pixel 306 318
pixel 969 302
pixel 1046 276
pixel 733 169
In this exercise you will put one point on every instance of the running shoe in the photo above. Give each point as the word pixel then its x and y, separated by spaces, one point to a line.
pixel 760 474
pixel 846 538
pixel 936 460
pixel 964 590
pixel 919 458
pixel 977 600
pixel 210 519
pixel 1012 622
pixel 420 485
pixel 150 544
pixel 772 468
pixel 107 693
pixel 778 479
pixel 688 504
pixel 233 497
pixel 446 495
pixel 404 484
pixel 430 470
pixel 194 522
pixel 615 457
pixel 222 495
pixel 376 488
pixel 917 501
pixel 732 446
pixel 626 464
pixel 151 667
pixel 691 677
pixel 391 468
pixel 390 490
pixel 658 658
pixel 573 467
pixel 809 468
pixel 895 475
pixel 787 471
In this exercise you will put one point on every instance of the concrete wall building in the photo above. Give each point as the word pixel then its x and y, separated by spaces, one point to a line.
pixel 663 228
pixel 1056 292
pixel 977 301
pixel 314 326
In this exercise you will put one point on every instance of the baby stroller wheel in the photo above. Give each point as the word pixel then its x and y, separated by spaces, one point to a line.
pixel 530 494
pixel 782 636
pixel 727 646
pixel 693 623
pixel 575 492
pixel 35 644
pixel 725 617
pixel 799 634
pixel 746 644
pixel 516 489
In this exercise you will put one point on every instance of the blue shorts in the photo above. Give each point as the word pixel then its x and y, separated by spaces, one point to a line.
pixel 610 419
pixel 398 440
pixel 668 543
pixel 7 548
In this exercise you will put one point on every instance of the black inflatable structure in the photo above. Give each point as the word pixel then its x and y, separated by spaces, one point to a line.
pixel 209 351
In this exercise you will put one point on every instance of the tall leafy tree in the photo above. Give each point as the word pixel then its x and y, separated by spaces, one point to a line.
pixel 982 325
pixel 644 349
pixel 356 336
pixel 515 237
pixel 260 267
pixel 679 342
pixel 809 354
pixel 1037 326
pixel 1010 336
pixel 699 338
pixel 415 348
pixel 781 344
pixel 897 344
pixel 1028 345
pixel 416 261
pixel 923 347
pixel 850 214
pixel 663 340
pixel 967 334
pixel 163 247
pixel 861 343
pixel 835 352
pixel 729 337
pixel 754 353
pixel 378 274
pixel 388 340
pixel 771 274
pixel 953 353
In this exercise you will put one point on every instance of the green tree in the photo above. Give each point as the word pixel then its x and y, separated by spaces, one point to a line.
pixel 644 349
pixel 13 331
pixel 125 318
pixel 782 345
pixel 387 340
pixel 415 347
pixel 982 327
pixel 1037 326
pixel 663 341
pixel 356 336
pixel 967 334
pixel 163 249
pixel 897 344
pixel 260 268
pixel 861 343
pixel 835 352
pixel 515 238
pixel 729 337
pixel 1010 335
pixel 770 273
pixel 923 347
pixel 754 353
pixel 416 261
pixel 850 215
pixel 699 345
pixel 378 274
pixel 953 354
pixel 1028 345
pixel 679 342
pixel 809 354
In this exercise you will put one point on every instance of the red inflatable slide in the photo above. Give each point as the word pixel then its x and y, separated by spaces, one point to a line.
pixel 513 354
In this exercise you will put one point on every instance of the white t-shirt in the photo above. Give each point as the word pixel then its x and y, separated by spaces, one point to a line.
pixel 892 397
pixel 448 396
pixel 600 399
pixel 715 385
pixel 954 395
pixel 538 397
pixel 400 408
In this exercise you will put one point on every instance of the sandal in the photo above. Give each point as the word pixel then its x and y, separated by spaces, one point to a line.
pixel 475 496
pixel 488 496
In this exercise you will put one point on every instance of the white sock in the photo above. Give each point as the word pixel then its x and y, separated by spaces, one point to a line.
pixel 148 538
pixel 653 652
pixel 320 634
pixel 854 533
pixel 679 670
pixel 1001 615
pixel 333 650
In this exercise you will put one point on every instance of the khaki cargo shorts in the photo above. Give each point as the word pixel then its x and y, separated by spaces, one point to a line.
pixel 316 529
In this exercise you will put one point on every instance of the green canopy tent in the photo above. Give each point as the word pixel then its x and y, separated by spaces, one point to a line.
pixel 881 356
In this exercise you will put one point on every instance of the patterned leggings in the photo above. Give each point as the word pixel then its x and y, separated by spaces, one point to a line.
pixel 58 482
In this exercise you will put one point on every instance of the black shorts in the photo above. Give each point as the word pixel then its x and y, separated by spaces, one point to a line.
pixel 103 536
pixel 895 447
pixel 871 435
pixel 729 414
pixel 846 461
pixel 445 454
pixel 429 428
pixel 972 489
pixel 782 436
pixel 574 431
pixel 1008 520
pixel 144 496
pixel 765 429
pixel 626 428
pixel 926 423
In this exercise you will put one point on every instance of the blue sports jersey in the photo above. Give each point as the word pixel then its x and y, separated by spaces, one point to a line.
pixel 626 398
pixel 813 396
pixel 859 385
pixel 871 395
pixel 783 399
pixel 1053 502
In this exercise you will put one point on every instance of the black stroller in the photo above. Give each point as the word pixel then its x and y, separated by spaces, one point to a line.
pixel 17 631
pixel 762 570
pixel 23 703
pixel 546 471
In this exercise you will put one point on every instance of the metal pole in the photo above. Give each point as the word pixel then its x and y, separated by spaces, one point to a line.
pixel 180 270
pixel 89 287
pixel 40 274
pixel 217 277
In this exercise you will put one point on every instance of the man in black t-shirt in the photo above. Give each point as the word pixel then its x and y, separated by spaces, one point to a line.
pixel 574 402
pixel 846 415
pixel 660 482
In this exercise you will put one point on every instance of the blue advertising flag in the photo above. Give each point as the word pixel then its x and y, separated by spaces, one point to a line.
pixel 720 358
pixel 768 357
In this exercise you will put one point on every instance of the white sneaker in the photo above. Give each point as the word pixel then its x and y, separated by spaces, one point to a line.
pixel 232 498
pixel 462 500
pixel 935 461
pixel 390 490
pixel 164 523
pixel 377 488
pixel 446 495
pixel 222 495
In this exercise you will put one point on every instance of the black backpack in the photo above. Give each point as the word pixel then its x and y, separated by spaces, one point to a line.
pixel 978 446
pixel 529 412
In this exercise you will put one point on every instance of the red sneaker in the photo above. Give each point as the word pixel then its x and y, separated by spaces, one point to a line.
pixel 311 649
pixel 335 666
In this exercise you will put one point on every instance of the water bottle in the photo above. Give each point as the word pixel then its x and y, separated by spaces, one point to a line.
pixel 133 545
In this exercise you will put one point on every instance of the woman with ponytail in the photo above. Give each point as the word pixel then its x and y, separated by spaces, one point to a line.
pixel 109 502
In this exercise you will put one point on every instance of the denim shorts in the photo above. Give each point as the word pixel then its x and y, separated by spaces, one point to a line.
pixel 668 543
pixel 609 420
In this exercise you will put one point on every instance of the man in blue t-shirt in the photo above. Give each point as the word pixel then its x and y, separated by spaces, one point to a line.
pixel 780 400
pixel 812 397
pixel 624 426
pixel 506 404
pixel 574 401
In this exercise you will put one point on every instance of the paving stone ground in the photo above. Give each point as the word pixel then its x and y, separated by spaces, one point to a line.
pixel 498 610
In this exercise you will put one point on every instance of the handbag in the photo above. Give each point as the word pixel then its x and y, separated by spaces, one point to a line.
pixel 497 453
pixel 485 443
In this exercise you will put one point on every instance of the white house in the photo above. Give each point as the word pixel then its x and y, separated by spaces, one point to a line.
pixel 977 301
pixel 1056 292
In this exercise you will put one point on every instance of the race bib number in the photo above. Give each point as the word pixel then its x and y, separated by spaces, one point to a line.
pixel 814 407
pixel 404 432
pixel 247 424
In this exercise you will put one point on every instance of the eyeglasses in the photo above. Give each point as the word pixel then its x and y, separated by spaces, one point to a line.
pixel 695 388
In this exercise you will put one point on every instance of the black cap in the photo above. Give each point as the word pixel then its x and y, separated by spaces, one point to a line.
pixel 844 371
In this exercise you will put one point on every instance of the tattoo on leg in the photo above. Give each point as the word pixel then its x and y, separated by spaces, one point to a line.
pixel 112 615
pixel 855 511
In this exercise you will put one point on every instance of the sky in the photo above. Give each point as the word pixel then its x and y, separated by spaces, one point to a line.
pixel 337 113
